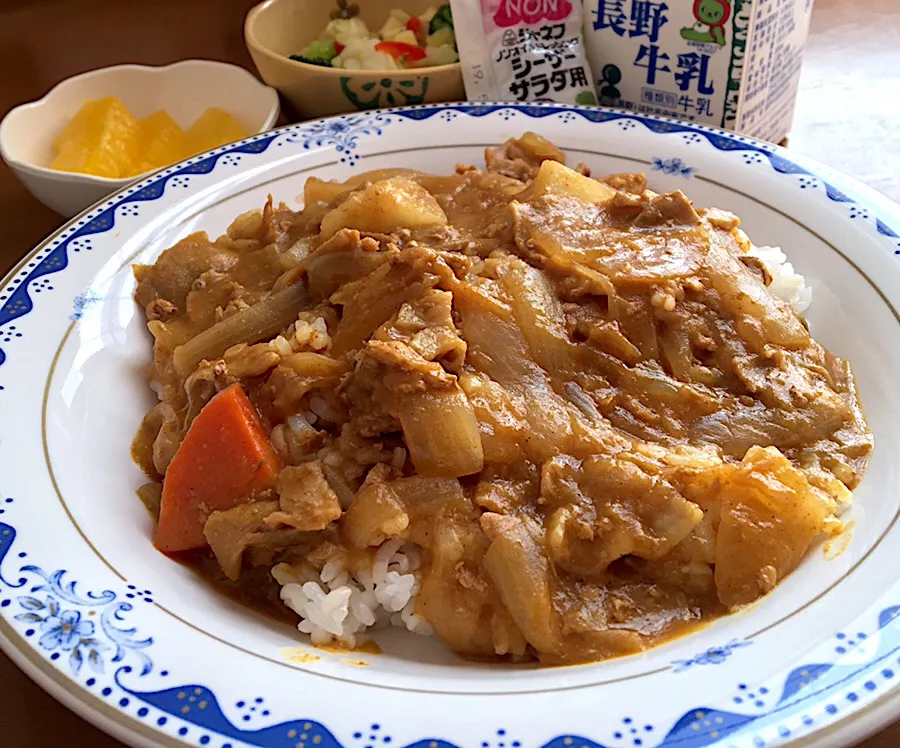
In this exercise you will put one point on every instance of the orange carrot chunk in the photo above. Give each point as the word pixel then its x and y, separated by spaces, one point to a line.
pixel 225 457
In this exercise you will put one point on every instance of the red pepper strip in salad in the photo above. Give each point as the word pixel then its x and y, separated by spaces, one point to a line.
pixel 414 24
pixel 338 47
pixel 401 49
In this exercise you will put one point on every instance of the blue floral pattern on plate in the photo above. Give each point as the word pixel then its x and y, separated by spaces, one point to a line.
pixel 69 630
pixel 714 656
pixel 82 303
pixel 673 166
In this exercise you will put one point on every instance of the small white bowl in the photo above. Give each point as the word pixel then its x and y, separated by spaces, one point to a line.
pixel 184 89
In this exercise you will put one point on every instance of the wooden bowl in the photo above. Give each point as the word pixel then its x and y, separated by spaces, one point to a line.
pixel 276 29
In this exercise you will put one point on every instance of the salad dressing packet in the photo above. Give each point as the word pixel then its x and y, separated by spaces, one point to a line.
pixel 523 50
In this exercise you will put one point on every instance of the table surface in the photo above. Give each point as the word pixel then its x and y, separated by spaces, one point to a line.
pixel 847 115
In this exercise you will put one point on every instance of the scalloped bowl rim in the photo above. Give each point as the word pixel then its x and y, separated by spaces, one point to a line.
pixel 71 176
pixel 253 40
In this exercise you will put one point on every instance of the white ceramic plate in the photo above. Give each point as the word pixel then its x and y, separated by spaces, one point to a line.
pixel 141 647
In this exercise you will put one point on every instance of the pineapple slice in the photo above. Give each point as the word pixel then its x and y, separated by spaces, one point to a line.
pixel 213 128
pixel 78 128
pixel 103 139
pixel 163 142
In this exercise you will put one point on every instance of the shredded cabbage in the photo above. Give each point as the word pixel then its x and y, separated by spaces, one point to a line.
pixel 360 54
pixel 394 25
pixel 345 31
pixel 355 42
pixel 444 55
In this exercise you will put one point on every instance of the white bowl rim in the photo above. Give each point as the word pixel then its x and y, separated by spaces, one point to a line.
pixel 72 176
pixel 250 31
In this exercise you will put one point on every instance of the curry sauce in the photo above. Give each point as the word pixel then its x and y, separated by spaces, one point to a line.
pixel 578 400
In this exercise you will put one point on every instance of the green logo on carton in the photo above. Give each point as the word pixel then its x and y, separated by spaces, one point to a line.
pixel 711 16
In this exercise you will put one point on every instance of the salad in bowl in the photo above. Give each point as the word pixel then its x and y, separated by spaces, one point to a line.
pixel 403 41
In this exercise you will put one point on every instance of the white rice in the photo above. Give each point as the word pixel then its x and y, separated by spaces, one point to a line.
pixel 787 284
pixel 337 605
pixel 311 332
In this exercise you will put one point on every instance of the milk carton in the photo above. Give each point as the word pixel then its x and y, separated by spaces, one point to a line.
pixel 730 63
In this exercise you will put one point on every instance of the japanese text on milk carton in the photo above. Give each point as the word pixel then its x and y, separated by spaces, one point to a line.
pixel 730 63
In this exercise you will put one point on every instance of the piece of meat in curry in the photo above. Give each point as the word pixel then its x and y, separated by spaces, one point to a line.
pixel 576 396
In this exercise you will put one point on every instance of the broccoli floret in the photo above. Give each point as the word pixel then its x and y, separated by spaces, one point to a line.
pixel 443 18
pixel 317 53
pixel 310 61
